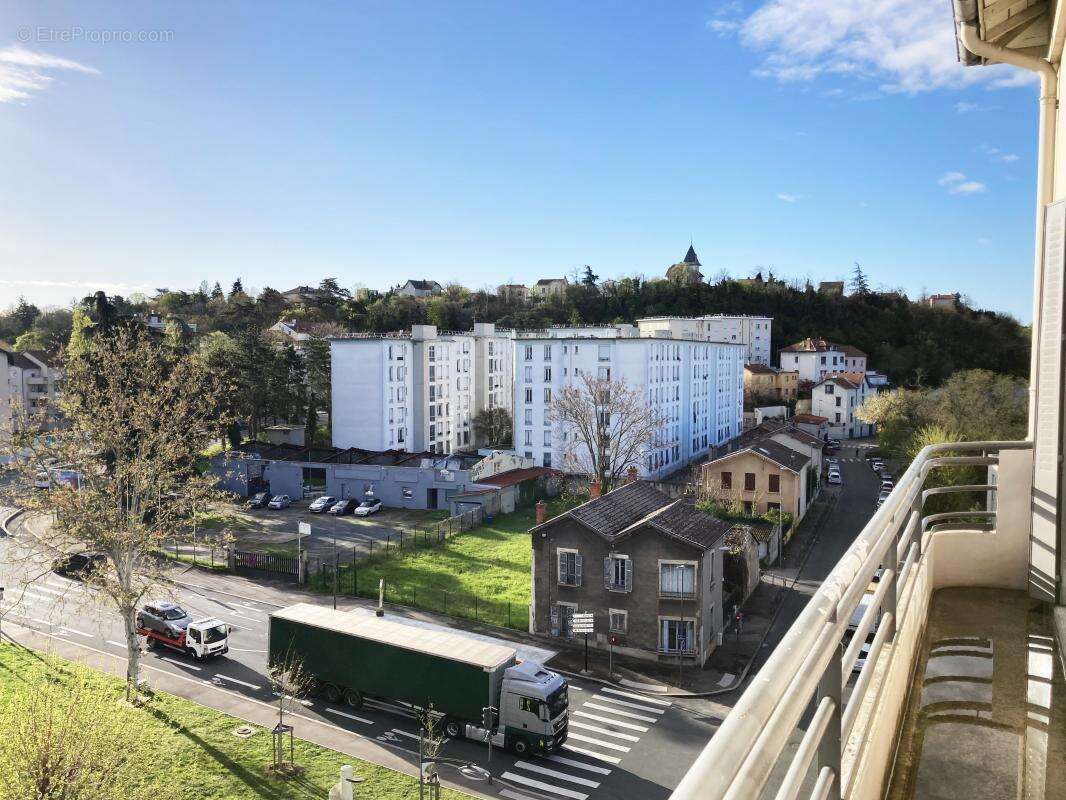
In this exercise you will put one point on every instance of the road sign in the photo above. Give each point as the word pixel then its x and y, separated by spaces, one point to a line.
pixel 581 623
pixel 305 528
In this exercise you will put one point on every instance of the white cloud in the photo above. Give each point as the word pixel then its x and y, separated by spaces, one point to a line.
pixel 785 197
pixel 997 155
pixel 24 73
pixel 723 27
pixel 967 187
pixel 949 178
pixel 963 107
pixel 120 288
pixel 906 46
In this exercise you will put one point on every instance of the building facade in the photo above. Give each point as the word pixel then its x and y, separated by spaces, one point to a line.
pixel 813 358
pixel 763 382
pixel 696 387
pixel 417 391
pixel 416 288
pixel 837 397
pixel 648 568
pixel 33 383
pixel 752 332
pixel 547 287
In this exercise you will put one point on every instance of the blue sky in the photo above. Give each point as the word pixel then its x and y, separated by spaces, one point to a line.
pixel 490 142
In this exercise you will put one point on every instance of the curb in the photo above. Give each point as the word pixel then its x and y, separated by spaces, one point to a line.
pixel 8 520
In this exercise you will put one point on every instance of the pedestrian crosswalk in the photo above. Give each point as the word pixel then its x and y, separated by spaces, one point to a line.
pixel 604 727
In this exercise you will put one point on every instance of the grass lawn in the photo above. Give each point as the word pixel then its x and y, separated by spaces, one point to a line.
pixel 195 750
pixel 490 563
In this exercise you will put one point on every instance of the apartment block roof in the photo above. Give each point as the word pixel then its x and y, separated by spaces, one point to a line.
pixel 351 455
pixel 811 419
pixel 810 345
pixel 637 506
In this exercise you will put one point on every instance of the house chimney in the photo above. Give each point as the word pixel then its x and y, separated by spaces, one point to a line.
pixel 631 474
pixel 542 512
pixel 595 489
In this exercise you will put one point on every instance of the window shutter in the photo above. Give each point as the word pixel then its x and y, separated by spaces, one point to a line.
pixel 608 573
pixel 629 574
pixel 559 563
pixel 577 570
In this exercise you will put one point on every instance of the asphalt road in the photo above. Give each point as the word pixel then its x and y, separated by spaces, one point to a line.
pixel 618 744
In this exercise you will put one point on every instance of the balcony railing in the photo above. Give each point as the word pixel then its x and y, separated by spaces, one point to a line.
pixel 848 743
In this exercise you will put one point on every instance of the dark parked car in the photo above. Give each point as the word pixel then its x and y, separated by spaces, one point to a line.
pixel 164 617
pixel 78 565
pixel 260 500
pixel 342 507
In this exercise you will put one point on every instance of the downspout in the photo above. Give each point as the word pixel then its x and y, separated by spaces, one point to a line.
pixel 965 14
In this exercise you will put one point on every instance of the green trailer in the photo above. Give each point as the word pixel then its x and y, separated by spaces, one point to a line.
pixel 352 655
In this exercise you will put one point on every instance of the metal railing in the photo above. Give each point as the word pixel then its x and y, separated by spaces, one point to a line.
pixel 811 666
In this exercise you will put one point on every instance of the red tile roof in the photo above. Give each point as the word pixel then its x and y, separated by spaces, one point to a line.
pixel 812 419
pixel 511 477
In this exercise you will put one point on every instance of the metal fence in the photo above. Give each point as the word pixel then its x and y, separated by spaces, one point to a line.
pixel 266 562
pixel 200 554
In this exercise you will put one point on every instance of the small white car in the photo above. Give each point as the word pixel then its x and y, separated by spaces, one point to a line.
pixel 834 477
pixel 887 485
pixel 321 504
pixel 279 501
pixel 368 507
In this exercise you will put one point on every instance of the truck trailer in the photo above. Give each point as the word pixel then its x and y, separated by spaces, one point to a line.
pixel 477 689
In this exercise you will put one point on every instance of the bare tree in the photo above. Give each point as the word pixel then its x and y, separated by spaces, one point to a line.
pixel 430 742
pixel 123 466
pixel 290 683
pixel 606 426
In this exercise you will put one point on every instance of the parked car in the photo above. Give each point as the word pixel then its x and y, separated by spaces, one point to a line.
pixel 864 652
pixel 877 466
pixel 321 504
pixel 259 500
pixel 887 484
pixel 881 498
pixel 78 565
pixel 280 501
pixel 342 507
pixel 834 477
pixel 834 443
pixel 368 507
pixel 163 617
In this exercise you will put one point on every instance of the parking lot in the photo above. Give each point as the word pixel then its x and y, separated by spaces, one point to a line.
pixel 277 530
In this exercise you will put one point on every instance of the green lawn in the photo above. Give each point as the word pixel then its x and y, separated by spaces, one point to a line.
pixel 194 750
pixel 481 574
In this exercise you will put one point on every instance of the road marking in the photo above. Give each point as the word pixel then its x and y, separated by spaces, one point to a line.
pixel 544 787
pixel 245 650
pixel 252 686
pixel 609 745
pixel 345 714
pixel 603 731
pixel 304 703
pixel 627 704
pixel 530 767
pixel 514 795
pixel 116 644
pixel 627 725
pixel 620 712
pixel 632 695
pixel 79 633
pixel 578 764
pixel 591 753
pixel 575 688
pixel 179 663
pixel 405 733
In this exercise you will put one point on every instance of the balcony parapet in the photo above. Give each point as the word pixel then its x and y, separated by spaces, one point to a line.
pixel 848 740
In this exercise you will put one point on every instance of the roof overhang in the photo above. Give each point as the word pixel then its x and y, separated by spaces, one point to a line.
pixel 1020 25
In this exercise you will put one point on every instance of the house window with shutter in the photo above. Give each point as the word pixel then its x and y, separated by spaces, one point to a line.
pixel 727 480
pixel 749 481
pixel 618 573
pixel 775 484
pixel 617 620
pixel 562 619
pixel 570 567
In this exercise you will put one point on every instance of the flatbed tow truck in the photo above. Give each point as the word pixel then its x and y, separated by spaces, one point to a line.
pixel 201 639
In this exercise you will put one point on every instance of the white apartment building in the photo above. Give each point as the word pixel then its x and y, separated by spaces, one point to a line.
pixel 815 358
pixel 32 385
pixel 837 397
pixel 752 332
pixel 417 391
pixel 696 386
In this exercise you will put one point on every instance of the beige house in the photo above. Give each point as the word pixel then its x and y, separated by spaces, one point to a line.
pixel 763 476
pixel 762 382
pixel 547 287
pixel 513 291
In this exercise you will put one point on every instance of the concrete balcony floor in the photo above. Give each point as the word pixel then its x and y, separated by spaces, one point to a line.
pixel 987 713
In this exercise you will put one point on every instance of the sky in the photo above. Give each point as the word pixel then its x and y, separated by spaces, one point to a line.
pixel 163 144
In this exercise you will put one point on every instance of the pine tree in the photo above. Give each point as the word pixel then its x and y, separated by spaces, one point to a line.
pixel 858 284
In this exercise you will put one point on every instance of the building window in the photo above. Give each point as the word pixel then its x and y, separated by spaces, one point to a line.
pixel 727 480
pixel 617 620
pixel 547 459
pixel 529 439
pixel 604 352
pixel 562 621
pixel 749 481
pixel 547 438
pixel 547 352
pixel 407 492
pixel 677 580
pixel 618 573
pixel 529 395
pixel 570 567
pixel 775 484
pixel 547 396
pixel 773 506
pixel 529 374
pixel 676 636
pixel 529 416
pixel 547 374
pixel 529 352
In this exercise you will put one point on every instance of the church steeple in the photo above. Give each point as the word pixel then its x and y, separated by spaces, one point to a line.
pixel 690 257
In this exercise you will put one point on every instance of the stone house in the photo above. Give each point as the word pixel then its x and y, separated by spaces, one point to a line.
pixel 647 566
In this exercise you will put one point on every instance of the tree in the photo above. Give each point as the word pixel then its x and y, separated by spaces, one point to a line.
pixel 859 285
pixel 317 364
pixel 589 278
pixel 80 326
pixel 290 683
pixel 237 289
pixel 67 739
pixel 30 340
pixel 492 426
pixel 137 415
pixel 606 426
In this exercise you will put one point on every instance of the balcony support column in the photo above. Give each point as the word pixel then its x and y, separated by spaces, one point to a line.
pixel 829 748
pixel 890 561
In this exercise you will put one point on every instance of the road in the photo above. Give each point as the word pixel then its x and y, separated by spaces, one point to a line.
pixel 616 743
